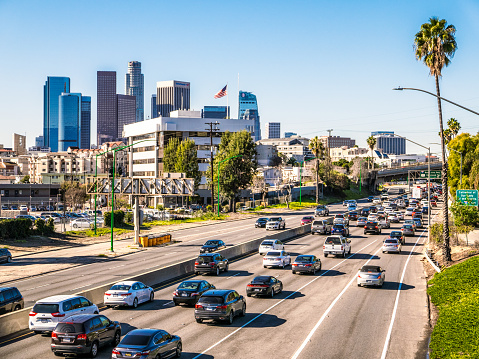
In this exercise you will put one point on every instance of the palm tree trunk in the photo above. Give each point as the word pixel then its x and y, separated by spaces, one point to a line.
pixel 317 170
pixel 445 212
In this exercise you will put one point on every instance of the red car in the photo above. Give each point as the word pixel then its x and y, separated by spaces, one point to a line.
pixel 433 203
pixel 307 220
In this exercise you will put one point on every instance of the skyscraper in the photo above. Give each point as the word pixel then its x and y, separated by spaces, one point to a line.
pixel 135 87
pixel 273 130
pixel 107 126
pixel 53 88
pixel 154 107
pixel 69 123
pixel 387 143
pixel 247 101
pixel 172 96
pixel 216 111
pixel 19 144
pixel 125 110
pixel 85 136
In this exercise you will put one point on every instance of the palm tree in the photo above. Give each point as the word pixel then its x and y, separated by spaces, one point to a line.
pixel 371 141
pixel 435 45
pixel 317 148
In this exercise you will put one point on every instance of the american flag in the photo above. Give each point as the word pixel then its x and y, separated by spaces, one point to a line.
pixel 222 92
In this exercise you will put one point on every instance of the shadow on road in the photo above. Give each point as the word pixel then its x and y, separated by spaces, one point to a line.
pixel 332 273
pixel 264 321
pixel 364 256
pixel 395 286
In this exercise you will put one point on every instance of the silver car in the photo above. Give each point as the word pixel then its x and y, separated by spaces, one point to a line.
pixel 391 245
pixel 362 221
pixel 371 275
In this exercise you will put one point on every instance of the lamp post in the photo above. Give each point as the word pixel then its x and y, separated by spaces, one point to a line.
pixel 219 165
pixel 460 181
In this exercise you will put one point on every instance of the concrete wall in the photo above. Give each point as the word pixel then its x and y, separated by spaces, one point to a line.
pixel 17 321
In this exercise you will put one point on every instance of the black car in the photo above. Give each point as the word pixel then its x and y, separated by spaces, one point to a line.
pixel 397 235
pixel 372 227
pixel 10 300
pixel 370 198
pixel 264 285
pixel 211 263
pixel 373 209
pixel 353 216
pixel 189 291
pixel 340 229
pixel 220 304
pixel 306 263
pixel 364 212
pixel 5 255
pixel 84 334
pixel 148 343
pixel 261 222
pixel 212 245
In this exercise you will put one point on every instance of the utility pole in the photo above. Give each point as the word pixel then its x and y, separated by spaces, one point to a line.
pixel 329 142
pixel 211 130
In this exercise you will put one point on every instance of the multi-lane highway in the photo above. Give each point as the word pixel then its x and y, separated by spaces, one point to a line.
pixel 322 316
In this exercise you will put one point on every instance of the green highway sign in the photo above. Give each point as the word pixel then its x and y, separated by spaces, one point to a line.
pixel 467 197
pixel 434 174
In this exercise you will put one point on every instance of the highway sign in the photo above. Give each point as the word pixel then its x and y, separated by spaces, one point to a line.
pixel 434 174
pixel 467 197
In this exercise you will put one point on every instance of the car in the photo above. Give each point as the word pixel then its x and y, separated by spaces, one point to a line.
pixel 48 312
pixel 433 203
pixel 306 263
pixel 418 222
pixel 425 210
pixel 261 222
pixel 391 245
pixel 398 235
pixel 352 207
pixel 361 221
pixel 364 212
pixel 370 198
pixel 393 218
pixel 411 222
pixel 353 216
pixel 189 291
pixel 264 285
pixel 373 217
pixel 399 215
pixel 337 245
pixel 376 200
pixel 307 220
pixel 384 222
pixel 24 208
pixel 409 211
pixel 276 259
pixel 212 245
pixel 341 219
pixel 33 208
pixel 270 244
pixel 212 263
pixel 14 207
pixel 26 216
pixel 372 227
pixel 321 211
pixel 11 300
pixel 340 229
pixel 275 223
pixel 322 226
pixel 373 209
pixel 148 343
pixel 128 293
pixel 388 210
pixel 5 207
pixel 408 230
pixel 5 255
pixel 371 275
pixel 84 334
pixel 220 304
pixel 417 212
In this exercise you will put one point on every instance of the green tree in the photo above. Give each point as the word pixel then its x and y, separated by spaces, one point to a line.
pixel 25 179
pixel 435 45
pixel 187 161
pixel 170 155
pixel 74 194
pixel 452 130
pixel 468 146
pixel 371 141
pixel 318 150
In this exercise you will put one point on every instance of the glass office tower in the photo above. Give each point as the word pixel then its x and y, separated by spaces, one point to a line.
pixel 216 112
pixel 53 88
pixel 69 123
pixel 135 87
pixel 247 101
pixel 85 125
pixel 107 124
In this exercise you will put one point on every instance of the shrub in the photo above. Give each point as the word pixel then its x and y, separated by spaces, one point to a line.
pixel 238 205
pixel 118 217
pixel 436 232
pixel 129 217
pixel 226 208
pixel 44 228
pixel 209 208
pixel 160 207
pixel 15 228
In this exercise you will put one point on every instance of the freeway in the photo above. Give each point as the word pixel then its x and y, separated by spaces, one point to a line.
pixel 320 316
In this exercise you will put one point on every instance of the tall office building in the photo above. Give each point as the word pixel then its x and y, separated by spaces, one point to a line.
pixel 389 144
pixel 337 141
pixel 107 126
pixel 85 124
pixel 39 142
pixel 216 112
pixel 19 143
pixel 252 115
pixel 172 96
pixel 53 88
pixel 247 101
pixel 135 87
pixel 289 134
pixel 273 130
pixel 69 123
pixel 154 107
pixel 126 112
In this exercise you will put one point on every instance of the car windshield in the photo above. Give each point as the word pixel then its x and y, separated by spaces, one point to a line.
pixel 306 217
pixel 274 219
pixel 262 219
pixel 304 259
pixel 189 285
pixel 69 328
pixel 267 243
pixel 391 241
pixel 361 219
pixel 261 279
pixel 45 308
pixel 395 233
pixel 333 240
pixel 121 287
pixel 273 254
pixel 211 243
pixel 205 259
pixel 339 216
pixel 407 227
pixel 132 339
pixel 338 226
pixel 374 269
pixel 211 299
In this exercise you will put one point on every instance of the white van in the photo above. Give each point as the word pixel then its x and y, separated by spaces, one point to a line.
pixel 46 313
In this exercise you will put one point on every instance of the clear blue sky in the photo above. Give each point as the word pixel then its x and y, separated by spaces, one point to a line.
pixel 313 65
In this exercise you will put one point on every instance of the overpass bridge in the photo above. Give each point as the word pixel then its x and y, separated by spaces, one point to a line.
pixel 404 172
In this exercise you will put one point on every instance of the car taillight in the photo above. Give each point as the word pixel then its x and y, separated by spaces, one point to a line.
pixel 341 247
pixel 125 294
pixel 81 336
pixel 175 293
pixel 106 293
pixel 324 247
pixel 376 227
pixel 197 263
pixel 379 276
pixel 212 264
pixel 308 265
pixel 54 335
pixel 295 265
pixel 145 352
pixel 365 227
pixel 359 275
pixel 193 294
pixel 114 351
pixel 58 315
pixel 32 314
pixel 222 307
pixel 198 306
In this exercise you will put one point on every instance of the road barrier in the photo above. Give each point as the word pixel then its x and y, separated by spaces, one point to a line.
pixel 17 321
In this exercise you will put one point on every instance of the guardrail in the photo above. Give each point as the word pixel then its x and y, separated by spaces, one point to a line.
pixel 434 265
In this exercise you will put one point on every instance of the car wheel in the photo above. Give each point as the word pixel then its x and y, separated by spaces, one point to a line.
pixel 17 307
pixel 179 349
pixel 344 254
pixel 95 312
pixel 243 310
pixel 264 266
pixel 314 271
pixel 94 350
pixel 248 294
pixel 349 250
pixel 359 285
pixel 135 303
pixel 58 354
pixel 294 272
pixel 9 259
pixel 283 265
pixel 152 296
pixel 217 271
pixel 325 254
pixel 272 292
pixel 197 273
pixel 199 320
pixel 116 339
pixel 226 268
pixel 37 331
pixel 230 317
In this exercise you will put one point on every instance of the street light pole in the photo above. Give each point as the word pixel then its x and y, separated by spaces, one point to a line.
pixel 219 166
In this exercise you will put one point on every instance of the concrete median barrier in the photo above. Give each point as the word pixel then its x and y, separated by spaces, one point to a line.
pixel 18 321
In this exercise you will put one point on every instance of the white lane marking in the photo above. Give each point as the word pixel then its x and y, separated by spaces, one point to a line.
pixel 122 265
pixel 168 303
pixel 393 317
pixel 40 286
pixel 304 246
pixel 233 276
pixel 83 286
pixel 281 301
pixel 308 338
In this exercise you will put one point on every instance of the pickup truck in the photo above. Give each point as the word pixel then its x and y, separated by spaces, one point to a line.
pixel 321 211
pixel 337 245
pixel 322 226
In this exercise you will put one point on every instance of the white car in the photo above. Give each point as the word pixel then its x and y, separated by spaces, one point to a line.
pixel 391 245
pixel 82 223
pixel 23 208
pixel 341 219
pixel 376 200
pixel 276 259
pixel 384 222
pixel 275 223
pixel 372 217
pixel 269 245
pixel 388 210
pixel 128 293
pixel 400 215
pixel 46 313
pixel 393 218
pixel 409 211
pixel 362 221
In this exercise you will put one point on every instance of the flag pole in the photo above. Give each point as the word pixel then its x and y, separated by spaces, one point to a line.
pixel 227 102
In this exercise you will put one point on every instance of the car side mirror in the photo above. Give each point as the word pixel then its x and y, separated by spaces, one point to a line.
pixel 384 270
pixel 241 297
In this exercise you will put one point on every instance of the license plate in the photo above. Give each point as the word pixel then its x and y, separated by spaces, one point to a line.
pixel 115 295
pixel 184 294
pixel 66 340
pixel 208 308
pixel 257 290
pixel 44 320
pixel 128 354
pixel 369 281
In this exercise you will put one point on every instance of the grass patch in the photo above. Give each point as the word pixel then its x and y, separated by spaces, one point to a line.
pixel 455 292
pixel 99 232
pixel 206 217
pixel 102 255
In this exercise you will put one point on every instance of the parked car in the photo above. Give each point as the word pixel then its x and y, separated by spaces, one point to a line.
pixel 211 263
pixel 371 275
pixel 321 211
pixel 398 235
pixel 26 216
pixel 276 259
pixel 322 226
pixel 275 223
pixel 340 229
pixel 84 334
pixel 24 208
pixel 408 230
pixel 391 245
pixel 270 244
pixel 189 291
pixel 5 207
pixel 46 313
pixel 307 220
pixel 306 263
pixel 265 285
pixel 156 343
pixel 128 293
pixel 372 227
pixel 220 304
pixel 5 255
pixel 261 222
pixel 336 245
pixel 212 245
pixel 10 300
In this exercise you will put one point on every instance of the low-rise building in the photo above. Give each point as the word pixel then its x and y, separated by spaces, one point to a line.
pixel 296 147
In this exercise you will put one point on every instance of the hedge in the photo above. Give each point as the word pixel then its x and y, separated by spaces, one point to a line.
pixel 118 217
pixel 15 228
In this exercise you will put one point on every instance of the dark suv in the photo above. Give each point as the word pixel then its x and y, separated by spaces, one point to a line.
pixel 5 255
pixel 220 304
pixel 353 216
pixel 372 227
pixel 212 246
pixel 211 263
pixel 84 334
pixel 10 300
